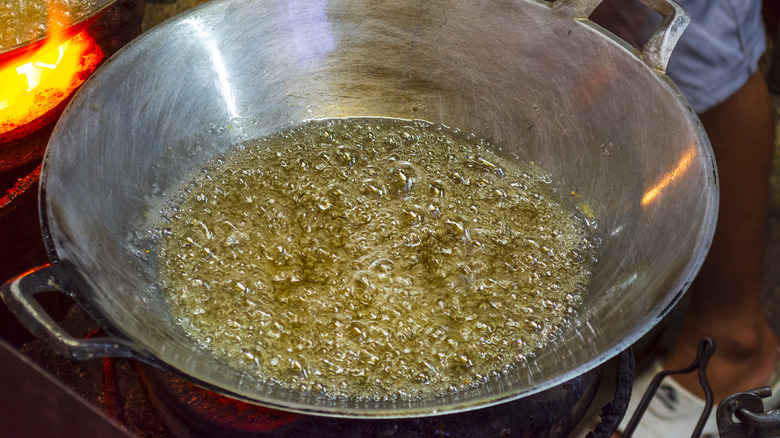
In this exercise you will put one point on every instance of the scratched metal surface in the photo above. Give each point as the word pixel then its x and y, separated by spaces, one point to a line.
pixel 524 74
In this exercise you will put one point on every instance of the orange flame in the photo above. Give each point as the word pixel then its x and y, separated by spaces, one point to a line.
pixel 34 83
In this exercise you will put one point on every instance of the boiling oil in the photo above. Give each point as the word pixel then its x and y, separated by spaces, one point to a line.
pixel 372 258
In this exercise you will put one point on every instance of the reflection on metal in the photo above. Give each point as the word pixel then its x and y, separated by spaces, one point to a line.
pixel 218 63
pixel 670 176
pixel 312 33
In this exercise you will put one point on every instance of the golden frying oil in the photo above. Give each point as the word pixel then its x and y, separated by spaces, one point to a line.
pixel 372 258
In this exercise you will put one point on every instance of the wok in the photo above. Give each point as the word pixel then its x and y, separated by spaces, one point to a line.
pixel 536 78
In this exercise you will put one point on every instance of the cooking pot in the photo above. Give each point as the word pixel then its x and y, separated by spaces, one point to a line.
pixel 536 78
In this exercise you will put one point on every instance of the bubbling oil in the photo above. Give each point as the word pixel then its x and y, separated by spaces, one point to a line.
pixel 372 258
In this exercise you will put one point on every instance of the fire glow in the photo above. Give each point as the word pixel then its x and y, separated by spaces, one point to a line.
pixel 36 82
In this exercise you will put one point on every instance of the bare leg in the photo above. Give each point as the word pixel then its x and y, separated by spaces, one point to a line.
pixel 725 301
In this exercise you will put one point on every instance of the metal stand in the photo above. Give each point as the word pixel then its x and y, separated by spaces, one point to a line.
pixel 705 351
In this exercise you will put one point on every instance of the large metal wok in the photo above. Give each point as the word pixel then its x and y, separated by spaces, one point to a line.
pixel 537 78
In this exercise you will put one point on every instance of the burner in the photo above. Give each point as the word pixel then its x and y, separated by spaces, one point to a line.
pixel 185 407
pixel 188 410
pixel 38 83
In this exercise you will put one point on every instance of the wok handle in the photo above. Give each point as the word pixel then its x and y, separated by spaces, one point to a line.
pixel 659 46
pixel 18 294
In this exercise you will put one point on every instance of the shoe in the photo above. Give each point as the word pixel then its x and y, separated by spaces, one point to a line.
pixel 675 411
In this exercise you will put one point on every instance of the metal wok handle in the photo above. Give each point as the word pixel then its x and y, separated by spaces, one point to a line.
pixel 18 294
pixel 659 46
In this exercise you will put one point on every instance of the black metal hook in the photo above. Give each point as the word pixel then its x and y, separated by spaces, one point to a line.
pixel 742 415
pixel 705 351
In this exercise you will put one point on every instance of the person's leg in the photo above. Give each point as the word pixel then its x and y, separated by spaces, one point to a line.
pixel 725 301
